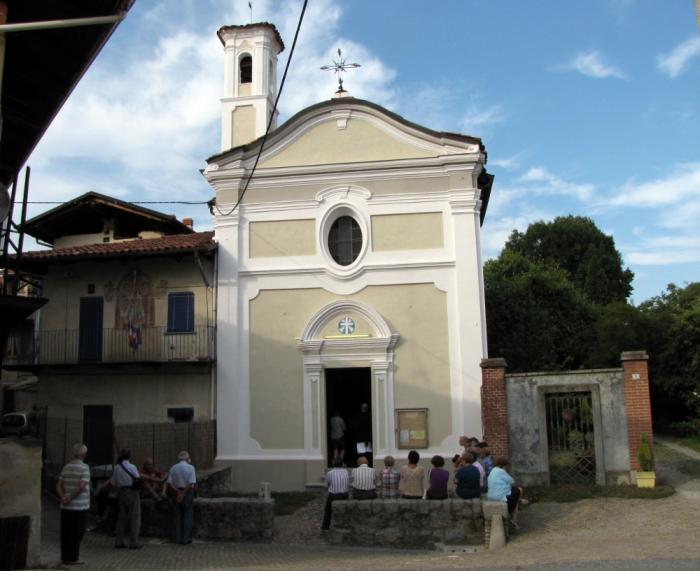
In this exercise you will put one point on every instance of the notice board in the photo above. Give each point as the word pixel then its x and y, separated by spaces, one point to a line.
pixel 412 427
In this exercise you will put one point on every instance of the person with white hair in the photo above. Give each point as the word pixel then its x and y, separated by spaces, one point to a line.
pixel 73 489
pixel 182 481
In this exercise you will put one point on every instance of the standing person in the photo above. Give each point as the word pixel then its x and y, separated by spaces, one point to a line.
pixel 73 489
pixel 182 481
pixel 437 479
pixel 338 483
pixel 389 479
pixel 127 480
pixel 475 452
pixel 486 459
pixel 468 478
pixel 412 478
pixel 502 488
pixel 363 433
pixel 338 436
pixel 364 481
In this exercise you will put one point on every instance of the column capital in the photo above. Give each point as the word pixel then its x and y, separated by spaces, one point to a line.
pixel 494 363
pixel 634 356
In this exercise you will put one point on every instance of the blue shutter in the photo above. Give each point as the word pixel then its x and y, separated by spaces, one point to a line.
pixel 181 312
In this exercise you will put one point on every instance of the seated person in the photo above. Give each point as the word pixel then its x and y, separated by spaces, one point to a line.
pixel 412 478
pixel 364 481
pixel 437 478
pixel 337 482
pixel 389 479
pixel 468 478
pixel 153 480
pixel 485 458
pixel 502 488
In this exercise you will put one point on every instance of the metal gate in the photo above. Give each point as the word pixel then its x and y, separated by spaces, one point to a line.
pixel 570 438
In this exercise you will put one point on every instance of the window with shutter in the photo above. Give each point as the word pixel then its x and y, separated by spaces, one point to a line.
pixel 181 312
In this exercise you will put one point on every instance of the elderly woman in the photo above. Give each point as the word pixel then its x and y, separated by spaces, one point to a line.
pixel 412 478
pixel 468 478
pixel 502 488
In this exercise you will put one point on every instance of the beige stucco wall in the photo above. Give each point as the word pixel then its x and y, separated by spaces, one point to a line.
pixel 382 187
pixel 243 124
pixel 420 231
pixel 360 141
pixel 136 395
pixel 282 238
pixel 418 312
pixel 65 284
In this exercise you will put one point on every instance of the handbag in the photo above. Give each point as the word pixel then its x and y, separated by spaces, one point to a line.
pixel 136 486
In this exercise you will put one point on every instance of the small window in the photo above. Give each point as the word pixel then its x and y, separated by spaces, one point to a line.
pixel 181 414
pixel 181 312
pixel 246 69
pixel 345 240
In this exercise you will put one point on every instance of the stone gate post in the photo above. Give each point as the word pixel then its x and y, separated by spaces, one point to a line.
pixel 494 409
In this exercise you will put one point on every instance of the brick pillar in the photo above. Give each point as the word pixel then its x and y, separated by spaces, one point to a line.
pixel 494 412
pixel 637 402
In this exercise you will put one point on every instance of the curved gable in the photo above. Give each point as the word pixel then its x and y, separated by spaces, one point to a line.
pixel 357 138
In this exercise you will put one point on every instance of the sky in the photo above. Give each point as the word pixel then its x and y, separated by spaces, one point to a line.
pixel 590 109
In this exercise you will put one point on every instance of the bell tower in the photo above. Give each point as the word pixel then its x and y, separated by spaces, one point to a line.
pixel 250 81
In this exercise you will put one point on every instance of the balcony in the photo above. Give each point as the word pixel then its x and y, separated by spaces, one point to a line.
pixel 69 347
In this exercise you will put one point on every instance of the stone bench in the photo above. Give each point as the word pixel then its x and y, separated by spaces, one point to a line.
pixel 248 519
pixel 419 524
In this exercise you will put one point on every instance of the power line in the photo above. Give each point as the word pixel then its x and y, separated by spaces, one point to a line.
pixel 272 116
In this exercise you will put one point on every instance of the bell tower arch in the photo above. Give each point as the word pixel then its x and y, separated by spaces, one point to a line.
pixel 250 81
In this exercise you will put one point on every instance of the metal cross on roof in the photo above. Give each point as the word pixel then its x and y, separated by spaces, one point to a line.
pixel 339 67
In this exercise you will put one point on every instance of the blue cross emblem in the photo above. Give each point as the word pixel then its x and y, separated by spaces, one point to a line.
pixel 346 326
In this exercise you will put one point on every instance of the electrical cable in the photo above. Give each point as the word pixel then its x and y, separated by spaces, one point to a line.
pixel 127 201
pixel 272 117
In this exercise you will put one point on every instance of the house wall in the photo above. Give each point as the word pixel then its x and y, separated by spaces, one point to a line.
pixel 65 284
pixel 137 394
pixel 391 232
pixel 179 372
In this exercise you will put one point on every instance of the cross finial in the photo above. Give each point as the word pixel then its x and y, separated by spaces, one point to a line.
pixel 338 67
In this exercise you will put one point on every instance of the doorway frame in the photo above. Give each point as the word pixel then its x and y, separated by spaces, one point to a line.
pixel 375 352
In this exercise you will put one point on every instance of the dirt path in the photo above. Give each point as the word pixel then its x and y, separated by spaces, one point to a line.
pixel 689 452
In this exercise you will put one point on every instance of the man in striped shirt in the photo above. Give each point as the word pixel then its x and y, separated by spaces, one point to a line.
pixel 364 481
pixel 73 489
pixel 337 482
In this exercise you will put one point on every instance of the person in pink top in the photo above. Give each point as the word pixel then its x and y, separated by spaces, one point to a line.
pixel 479 466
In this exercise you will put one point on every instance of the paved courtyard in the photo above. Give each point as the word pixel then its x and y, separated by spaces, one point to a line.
pixel 590 534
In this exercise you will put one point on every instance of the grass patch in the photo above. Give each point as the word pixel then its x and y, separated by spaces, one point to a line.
pixel 691 442
pixel 576 492
pixel 286 503
pixel 676 460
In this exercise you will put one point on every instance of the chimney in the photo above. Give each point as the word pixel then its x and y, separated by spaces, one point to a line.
pixel 188 222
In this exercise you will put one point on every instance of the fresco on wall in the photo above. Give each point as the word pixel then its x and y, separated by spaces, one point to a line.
pixel 135 305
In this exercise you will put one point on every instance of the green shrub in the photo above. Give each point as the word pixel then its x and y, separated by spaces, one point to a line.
pixel 685 428
pixel 646 461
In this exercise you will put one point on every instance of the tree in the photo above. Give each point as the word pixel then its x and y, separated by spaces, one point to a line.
pixel 576 245
pixel 672 331
pixel 537 319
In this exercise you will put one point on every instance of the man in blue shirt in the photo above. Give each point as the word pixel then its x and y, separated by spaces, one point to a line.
pixel 182 481
pixel 502 488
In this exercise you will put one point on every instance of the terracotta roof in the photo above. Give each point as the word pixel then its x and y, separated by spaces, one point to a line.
pixel 141 247
pixel 251 27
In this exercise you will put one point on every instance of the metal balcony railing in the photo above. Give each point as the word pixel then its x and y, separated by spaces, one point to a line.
pixel 71 346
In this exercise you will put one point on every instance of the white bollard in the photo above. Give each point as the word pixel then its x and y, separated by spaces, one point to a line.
pixel 498 533
pixel 264 493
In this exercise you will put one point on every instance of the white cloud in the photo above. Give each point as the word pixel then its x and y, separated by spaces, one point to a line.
pixel 476 117
pixel 682 184
pixel 665 250
pixel 677 61
pixel 591 64
pixel 508 163
pixel 539 180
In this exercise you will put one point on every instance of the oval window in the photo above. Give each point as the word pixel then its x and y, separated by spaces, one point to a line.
pixel 345 240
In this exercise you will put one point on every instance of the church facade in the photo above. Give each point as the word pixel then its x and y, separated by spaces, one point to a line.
pixel 349 273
